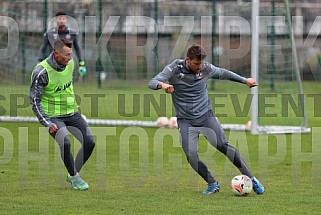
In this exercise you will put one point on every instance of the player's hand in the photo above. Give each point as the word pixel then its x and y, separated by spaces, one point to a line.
pixel 82 68
pixel 251 82
pixel 168 88
pixel 53 129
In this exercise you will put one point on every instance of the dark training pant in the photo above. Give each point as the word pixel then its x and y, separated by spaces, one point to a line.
pixel 210 127
pixel 79 128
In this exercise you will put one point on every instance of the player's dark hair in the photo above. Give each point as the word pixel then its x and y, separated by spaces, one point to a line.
pixel 196 52
pixel 59 44
pixel 61 13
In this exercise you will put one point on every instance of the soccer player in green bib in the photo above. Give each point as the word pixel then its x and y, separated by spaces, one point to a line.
pixel 53 101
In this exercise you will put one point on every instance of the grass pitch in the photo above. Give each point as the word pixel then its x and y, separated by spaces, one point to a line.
pixel 143 170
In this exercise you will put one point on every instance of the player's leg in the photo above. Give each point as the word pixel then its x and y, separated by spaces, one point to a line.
pixel 189 142
pixel 217 138
pixel 79 128
pixel 63 141
pixel 214 133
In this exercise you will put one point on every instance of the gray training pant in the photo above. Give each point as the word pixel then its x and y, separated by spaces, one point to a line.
pixel 79 128
pixel 210 127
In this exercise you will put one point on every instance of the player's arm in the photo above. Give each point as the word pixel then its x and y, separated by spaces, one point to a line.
pixel 224 74
pixel 159 81
pixel 38 83
pixel 82 67
pixel 251 82
pixel 168 88
pixel 42 49
pixel 77 48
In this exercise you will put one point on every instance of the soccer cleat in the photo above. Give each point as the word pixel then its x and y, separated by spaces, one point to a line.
pixel 212 188
pixel 257 186
pixel 69 177
pixel 78 184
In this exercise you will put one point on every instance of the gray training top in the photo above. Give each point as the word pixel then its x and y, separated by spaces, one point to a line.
pixel 190 96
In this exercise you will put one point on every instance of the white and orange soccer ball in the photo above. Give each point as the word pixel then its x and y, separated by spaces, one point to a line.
pixel 241 185
pixel 162 121
pixel 172 122
pixel 248 125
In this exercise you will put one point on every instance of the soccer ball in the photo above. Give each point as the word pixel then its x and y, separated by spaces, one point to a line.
pixel 162 122
pixel 172 122
pixel 241 185
pixel 248 125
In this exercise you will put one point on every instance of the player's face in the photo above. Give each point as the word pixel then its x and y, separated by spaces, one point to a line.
pixel 63 56
pixel 61 21
pixel 194 65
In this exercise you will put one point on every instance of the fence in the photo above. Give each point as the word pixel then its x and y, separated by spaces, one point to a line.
pixel 134 40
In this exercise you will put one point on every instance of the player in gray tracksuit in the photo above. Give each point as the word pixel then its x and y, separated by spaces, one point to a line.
pixel 187 82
